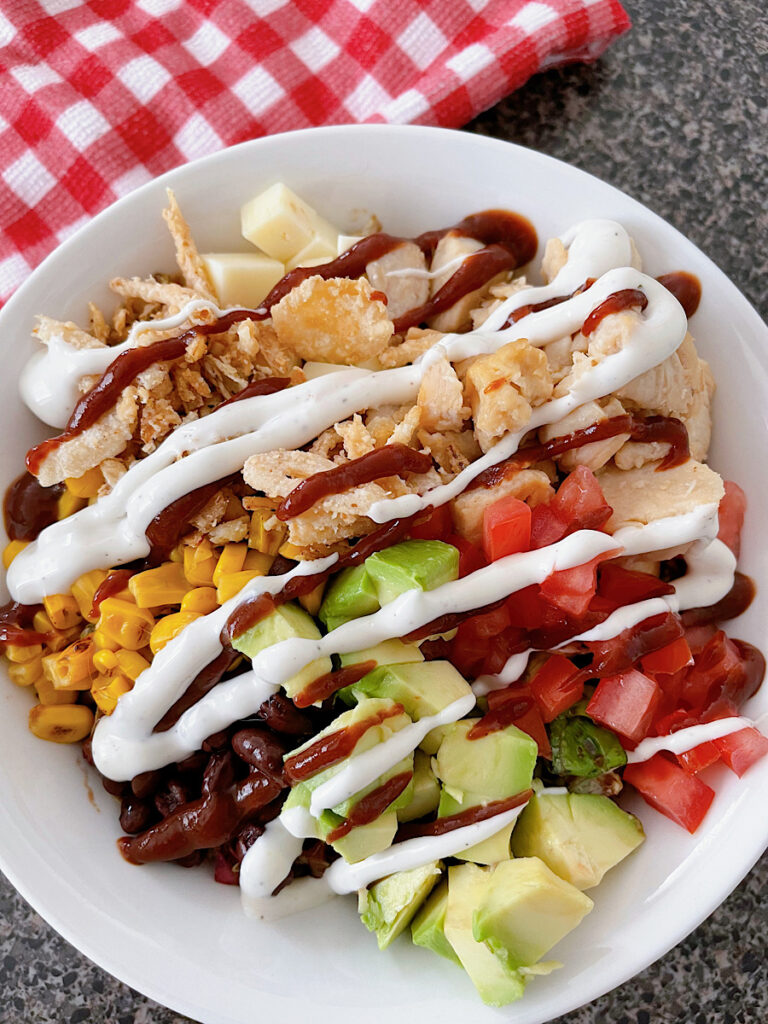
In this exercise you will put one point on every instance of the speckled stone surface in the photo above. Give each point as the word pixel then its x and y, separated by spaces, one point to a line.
pixel 675 115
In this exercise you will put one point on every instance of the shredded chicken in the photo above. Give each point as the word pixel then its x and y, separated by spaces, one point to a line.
pixel 405 292
pixel 643 495
pixel 187 256
pixel 441 398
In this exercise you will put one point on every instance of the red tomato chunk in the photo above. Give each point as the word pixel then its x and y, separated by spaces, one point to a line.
pixel 557 686
pixel 571 590
pixel 506 528
pixel 581 502
pixel 741 749
pixel 669 659
pixel 626 703
pixel 437 526
pixel 683 798
pixel 733 506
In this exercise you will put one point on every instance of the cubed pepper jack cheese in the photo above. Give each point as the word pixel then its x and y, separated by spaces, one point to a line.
pixel 242 278
pixel 282 224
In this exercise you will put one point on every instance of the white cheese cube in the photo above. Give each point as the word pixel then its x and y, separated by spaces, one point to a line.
pixel 344 242
pixel 242 278
pixel 321 249
pixel 282 224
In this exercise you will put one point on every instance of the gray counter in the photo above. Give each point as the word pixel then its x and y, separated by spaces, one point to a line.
pixel 674 114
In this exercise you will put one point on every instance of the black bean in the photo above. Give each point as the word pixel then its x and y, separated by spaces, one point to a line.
pixel 219 773
pixel 146 784
pixel 280 714
pixel 135 815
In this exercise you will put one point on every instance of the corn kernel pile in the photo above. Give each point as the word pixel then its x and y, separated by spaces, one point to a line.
pixel 93 656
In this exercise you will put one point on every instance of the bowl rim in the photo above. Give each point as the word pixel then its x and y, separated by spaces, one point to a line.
pixel 726 880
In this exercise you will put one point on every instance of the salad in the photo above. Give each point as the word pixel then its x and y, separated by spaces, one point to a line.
pixel 366 565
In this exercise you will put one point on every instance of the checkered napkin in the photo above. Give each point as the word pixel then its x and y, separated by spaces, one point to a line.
pixel 98 97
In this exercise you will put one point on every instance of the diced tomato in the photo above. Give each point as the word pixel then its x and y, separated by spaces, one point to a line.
pixel 526 609
pixel 581 501
pixel 626 704
pixel 500 648
pixel 669 659
pixel 557 686
pixel 506 528
pixel 571 590
pixel 719 671
pixel 471 557
pixel 698 637
pixel 662 783
pixel 468 651
pixel 438 525
pixel 733 506
pixel 533 724
pixel 224 870
pixel 488 624
pixel 632 645
pixel 626 586
pixel 701 757
pixel 547 526
pixel 742 749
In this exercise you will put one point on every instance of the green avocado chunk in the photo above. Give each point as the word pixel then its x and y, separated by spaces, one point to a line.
pixel 388 652
pixel 579 747
pixel 388 907
pixel 578 836
pixel 426 790
pixel 423 688
pixel 422 564
pixel 496 983
pixel 492 767
pixel 524 910
pixel 365 840
pixel 428 928
pixel 351 594
pixel 490 850
pixel 284 623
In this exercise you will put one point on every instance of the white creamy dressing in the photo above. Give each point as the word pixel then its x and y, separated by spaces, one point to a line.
pixel 112 531
pixel 686 739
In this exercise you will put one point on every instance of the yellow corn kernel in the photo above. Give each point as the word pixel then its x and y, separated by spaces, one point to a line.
pixel 68 504
pixel 125 624
pixel 131 663
pixel 177 553
pixel 62 610
pixel 154 588
pixel 233 582
pixel 199 564
pixel 106 692
pixel 103 642
pixel 11 549
pixel 48 694
pixel 231 559
pixel 311 602
pixel 257 561
pixel 65 723
pixel 168 627
pixel 72 668
pixel 289 550
pixel 87 485
pixel 83 590
pixel 105 662
pixel 18 655
pixel 259 537
pixel 201 600
pixel 26 673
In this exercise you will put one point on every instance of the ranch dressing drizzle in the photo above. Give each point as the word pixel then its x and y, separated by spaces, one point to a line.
pixel 112 531
pixel 49 381
pixel 686 739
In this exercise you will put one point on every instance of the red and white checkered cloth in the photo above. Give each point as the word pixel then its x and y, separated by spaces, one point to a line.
pixel 98 97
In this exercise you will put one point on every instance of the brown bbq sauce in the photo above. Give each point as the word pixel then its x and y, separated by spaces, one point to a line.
pixel 16 625
pixel 112 584
pixel 28 507
pixel 331 749
pixel 735 603
pixel 371 806
pixel 326 685
pixel 538 307
pixel 685 287
pixel 504 714
pixel 469 817
pixel 391 460
pixel 204 681
pixel 615 303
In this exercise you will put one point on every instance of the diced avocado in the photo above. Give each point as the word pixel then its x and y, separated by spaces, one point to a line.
pixel 496 983
pixel 284 623
pixel 423 688
pixel 402 766
pixel 365 840
pixel 495 766
pixel 578 836
pixel 374 734
pixel 524 910
pixel 388 907
pixel 351 594
pixel 491 850
pixel 579 747
pixel 431 742
pixel 428 928
pixel 413 564
pixel 388 652
pixel 425 794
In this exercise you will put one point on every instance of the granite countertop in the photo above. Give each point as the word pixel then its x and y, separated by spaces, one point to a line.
pixel 675 115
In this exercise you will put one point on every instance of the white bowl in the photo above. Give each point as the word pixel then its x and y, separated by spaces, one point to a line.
pixel 174 934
